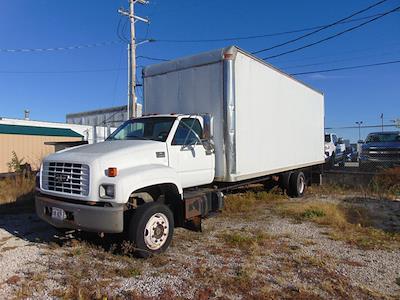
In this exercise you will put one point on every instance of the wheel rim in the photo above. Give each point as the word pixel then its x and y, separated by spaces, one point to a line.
pixel 300 185
pixel 156 231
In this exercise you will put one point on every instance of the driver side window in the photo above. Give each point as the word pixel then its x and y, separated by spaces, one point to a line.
pixel 185 136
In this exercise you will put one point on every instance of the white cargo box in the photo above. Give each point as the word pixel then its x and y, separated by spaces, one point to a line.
pixel 265 121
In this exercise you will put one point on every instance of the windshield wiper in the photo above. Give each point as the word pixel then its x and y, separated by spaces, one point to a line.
pixel 136 137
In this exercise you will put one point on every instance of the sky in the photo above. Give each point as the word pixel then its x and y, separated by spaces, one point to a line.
pixel 53 83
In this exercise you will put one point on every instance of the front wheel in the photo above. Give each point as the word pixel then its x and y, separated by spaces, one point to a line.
pixel 151 229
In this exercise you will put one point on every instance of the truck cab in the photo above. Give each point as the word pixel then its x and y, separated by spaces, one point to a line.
pixel 147 160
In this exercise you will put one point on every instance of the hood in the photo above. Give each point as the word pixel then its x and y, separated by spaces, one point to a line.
pixel 395 145
pixel 121 154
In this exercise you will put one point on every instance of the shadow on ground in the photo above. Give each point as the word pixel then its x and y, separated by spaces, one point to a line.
pixel 19 220
pixel 382 214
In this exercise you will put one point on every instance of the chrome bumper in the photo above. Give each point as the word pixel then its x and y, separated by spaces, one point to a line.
pixel 80 216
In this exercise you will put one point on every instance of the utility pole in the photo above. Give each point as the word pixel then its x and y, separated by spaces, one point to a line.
pixel 359 123
pixel 132 55
pixel 382 120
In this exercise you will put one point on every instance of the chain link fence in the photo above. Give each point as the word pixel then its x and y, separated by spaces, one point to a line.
pixel 365 158
pixel 363 148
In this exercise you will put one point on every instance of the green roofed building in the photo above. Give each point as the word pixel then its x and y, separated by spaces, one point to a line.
pixel 31 143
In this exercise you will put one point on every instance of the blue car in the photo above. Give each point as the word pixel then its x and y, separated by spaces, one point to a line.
pixel 381 150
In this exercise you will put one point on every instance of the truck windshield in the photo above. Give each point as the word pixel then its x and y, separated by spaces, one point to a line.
pixel 383 137
pixel 154 128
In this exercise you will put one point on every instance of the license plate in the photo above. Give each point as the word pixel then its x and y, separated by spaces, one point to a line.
pixel 58 213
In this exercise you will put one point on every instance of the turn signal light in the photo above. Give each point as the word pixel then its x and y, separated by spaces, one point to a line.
pixel 112 172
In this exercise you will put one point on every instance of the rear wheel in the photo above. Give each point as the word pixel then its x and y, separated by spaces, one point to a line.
pixel 342 161
pixel 151 229
pixel 297 184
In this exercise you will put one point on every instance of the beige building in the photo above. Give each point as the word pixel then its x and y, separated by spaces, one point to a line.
pixel 28 142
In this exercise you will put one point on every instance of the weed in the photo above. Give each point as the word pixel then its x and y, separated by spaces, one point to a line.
pixel 158 261
pixel 15 164
pixel 313 213
pixel 128 272
pixel 244 240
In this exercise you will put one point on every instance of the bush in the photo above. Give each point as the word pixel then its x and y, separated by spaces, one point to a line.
pixel 15 164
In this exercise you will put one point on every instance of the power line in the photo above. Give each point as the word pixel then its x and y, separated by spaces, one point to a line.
pixel 333 36
pixel 338 60
pixel 121 36
pixel 340 54
pixel 64 71
pixel 120 33
pixel 141 66
pixel 348 68
pixel 152 58
pixel 320 29
pixel 102 44
pixel 249 37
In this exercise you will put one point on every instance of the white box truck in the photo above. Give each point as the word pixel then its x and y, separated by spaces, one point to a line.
pixel 213 122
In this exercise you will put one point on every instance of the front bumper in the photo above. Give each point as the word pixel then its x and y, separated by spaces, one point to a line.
pixel 81 216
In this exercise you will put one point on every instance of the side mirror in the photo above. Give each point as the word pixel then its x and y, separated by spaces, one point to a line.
pixel 208 146
pixel 208 124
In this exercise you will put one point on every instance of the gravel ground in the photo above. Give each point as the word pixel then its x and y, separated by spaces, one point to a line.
pixel 292 260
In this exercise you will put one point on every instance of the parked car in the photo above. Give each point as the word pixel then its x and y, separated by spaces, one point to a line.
pixel 381 150
pixel 334 150
pixel 351 154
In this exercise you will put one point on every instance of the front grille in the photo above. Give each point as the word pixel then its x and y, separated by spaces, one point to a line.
pixel 68 178
pixel 384 153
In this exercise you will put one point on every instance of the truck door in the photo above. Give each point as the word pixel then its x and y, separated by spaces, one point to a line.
pixel 188 156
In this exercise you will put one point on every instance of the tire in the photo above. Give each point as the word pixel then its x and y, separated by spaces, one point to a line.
pixel 152 216
pixel 342 162
pixel 332 161
pixel 297 184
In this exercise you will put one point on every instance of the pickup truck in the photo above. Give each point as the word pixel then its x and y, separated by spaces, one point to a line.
pixel 381 150
pixel 214 122
pixel 335 150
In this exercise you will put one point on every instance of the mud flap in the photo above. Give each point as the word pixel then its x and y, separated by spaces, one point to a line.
pixel 199 206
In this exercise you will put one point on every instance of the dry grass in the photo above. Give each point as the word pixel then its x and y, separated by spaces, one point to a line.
pixel 384 185
pixel 331 189
pixel 348 223
pixel 246 241
pixel 17 193
pixel 387 183
pixel 243 203
pixel 85 271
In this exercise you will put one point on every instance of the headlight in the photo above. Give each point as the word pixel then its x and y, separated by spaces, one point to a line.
pixel 37 180
pixel 107 191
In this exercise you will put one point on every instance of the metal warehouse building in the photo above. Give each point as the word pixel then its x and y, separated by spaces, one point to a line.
pixel 28 142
